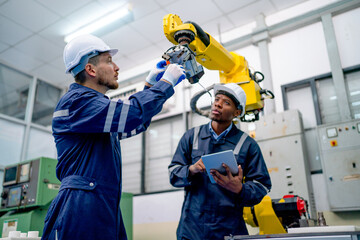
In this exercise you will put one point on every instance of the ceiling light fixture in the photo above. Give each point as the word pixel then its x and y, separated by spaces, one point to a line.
pixel 101 22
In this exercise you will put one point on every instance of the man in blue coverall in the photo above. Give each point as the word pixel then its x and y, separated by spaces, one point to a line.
pixel 212 211
pixel 88 127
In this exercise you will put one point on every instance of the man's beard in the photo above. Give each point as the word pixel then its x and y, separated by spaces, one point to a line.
pixel 109 85
pixel 213 118
pixel 217 119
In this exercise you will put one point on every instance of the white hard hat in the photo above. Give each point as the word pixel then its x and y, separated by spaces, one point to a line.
pixel 78 51
pixel 235 92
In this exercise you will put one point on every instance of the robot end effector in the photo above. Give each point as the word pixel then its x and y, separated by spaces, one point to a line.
pixel 195 49
pixel 181 53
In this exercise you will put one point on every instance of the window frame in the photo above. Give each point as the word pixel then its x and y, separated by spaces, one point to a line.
pixel 312 83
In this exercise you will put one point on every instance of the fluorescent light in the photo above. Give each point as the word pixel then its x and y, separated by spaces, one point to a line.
pixel 354 93
pixel 99 23
pixel 354 104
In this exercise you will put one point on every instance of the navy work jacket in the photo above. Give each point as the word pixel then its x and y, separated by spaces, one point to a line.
pixel 87 127
pixel 210 211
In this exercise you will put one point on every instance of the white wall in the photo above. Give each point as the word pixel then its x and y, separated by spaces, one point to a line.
pixel 347 33
pixel 297 55
pixel 251 54
pixel 156 216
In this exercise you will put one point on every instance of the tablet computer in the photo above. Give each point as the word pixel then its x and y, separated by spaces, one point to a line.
pixel 215 161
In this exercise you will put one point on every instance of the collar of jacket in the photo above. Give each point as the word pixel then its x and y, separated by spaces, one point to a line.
pixel 76 86
pixel 230 137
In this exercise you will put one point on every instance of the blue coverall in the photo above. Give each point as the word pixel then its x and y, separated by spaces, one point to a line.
pixel 87 128
pixel 210 211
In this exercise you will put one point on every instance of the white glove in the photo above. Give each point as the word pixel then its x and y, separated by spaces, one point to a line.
pixel 174 74
pixel 156 74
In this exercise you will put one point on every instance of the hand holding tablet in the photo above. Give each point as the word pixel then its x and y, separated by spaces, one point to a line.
pixel 215 161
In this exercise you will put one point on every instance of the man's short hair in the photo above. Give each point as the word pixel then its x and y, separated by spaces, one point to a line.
pixel 81 76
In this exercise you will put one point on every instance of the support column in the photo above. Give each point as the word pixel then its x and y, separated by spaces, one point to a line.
pixel 28 117
pixel 336 68
pixel 261 38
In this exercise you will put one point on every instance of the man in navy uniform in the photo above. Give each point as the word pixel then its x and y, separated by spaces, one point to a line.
pixel 212 211
pixel 88 127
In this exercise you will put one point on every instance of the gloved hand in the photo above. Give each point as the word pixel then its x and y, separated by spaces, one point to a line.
pixel 174 74
pixel 156 74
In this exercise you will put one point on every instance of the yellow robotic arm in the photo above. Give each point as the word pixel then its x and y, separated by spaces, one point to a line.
pixel 232 67
pixel 209 53
pixel 275 216
pixel 263 216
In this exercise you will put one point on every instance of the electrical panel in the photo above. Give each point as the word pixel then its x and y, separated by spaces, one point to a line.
pixel 340 159
pixel 281 140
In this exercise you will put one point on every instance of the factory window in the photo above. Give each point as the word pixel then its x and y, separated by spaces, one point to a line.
pixel 1 177
pixel 131 153
pixel 41 144
pixel 329 108
pixel 328 100
pixel 197 120
pixel 13 92
pixel 146 157
pixel 323 97
pixel 353 87
pixel 300 97
pixel 162 139
pixel 46 99
pixel 11 139
pixel 125 95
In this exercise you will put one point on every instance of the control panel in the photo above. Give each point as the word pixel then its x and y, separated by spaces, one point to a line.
pixel 340 151
pixel 281 139
pixel 31 183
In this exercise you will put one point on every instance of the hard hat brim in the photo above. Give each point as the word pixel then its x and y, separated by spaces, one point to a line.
pixel 112 52
pixel 225 89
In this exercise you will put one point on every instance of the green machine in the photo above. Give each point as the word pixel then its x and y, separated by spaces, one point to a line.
pixel 28 189
pixel 126 206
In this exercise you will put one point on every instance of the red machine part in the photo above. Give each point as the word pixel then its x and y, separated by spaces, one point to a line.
pixel 300 203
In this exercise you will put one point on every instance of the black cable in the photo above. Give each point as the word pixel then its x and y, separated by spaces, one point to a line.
pixel 204 37
pixel 267 93
pixel 196 97
pixel 261 74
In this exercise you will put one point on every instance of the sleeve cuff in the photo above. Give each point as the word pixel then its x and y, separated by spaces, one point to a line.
pixel 242 194
pixel 164 87
pixel 188 177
